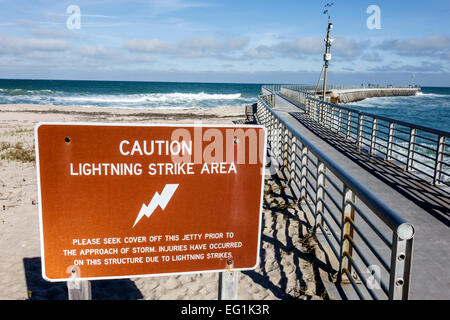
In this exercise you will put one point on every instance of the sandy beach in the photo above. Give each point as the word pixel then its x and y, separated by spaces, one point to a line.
pixel 288 256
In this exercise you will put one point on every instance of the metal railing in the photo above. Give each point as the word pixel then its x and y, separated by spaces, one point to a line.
pixel 422 150
pixel 312 88
pixel 371 242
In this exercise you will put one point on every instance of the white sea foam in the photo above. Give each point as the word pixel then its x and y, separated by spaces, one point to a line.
pixel 25 92
pixel 154 97
pixel 430 95
pixel 141 100
pixel 432 99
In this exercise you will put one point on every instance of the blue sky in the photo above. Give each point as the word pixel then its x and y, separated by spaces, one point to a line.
pixel 225 41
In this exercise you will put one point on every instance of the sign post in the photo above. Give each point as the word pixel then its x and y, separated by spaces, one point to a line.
pixel 78 289
pixel 228 285
pixel 123 201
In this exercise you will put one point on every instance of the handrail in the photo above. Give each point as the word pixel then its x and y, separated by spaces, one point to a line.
pixel 390 217
pixel 400 122
pixel 345 87
pixel 321 197
pixel 427 150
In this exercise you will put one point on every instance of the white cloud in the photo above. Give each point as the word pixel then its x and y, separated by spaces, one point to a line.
pixel 310 46
pixel 423 67
pixel 433 45
pixel 306 45
pixel 14 44
pixel 150 46
pixel 260 52
pixel 95 51
pixel 53 33
pixel 192 48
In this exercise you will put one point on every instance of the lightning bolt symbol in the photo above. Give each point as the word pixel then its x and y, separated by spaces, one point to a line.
pixel 160 200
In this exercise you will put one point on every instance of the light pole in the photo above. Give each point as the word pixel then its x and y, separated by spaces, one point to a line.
pixel 327 58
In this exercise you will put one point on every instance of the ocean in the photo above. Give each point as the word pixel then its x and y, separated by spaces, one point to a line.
pixel 125 94
pixel 429 108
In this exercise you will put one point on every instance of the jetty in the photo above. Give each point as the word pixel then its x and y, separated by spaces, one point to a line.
pixel 358 94
pixel 375 190
pixel 346 94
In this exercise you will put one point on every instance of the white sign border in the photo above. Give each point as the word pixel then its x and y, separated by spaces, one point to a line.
pixel 181 125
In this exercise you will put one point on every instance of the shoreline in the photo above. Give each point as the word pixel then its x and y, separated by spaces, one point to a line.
pixel 63 109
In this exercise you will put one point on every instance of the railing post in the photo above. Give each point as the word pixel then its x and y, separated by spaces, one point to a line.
pixel 334 118
pixel 330 118
pixel 348 216
pixel 304 173
pixel 401 260
pixel 320 111
pixel 281 144
pixel 293 158
pixel 411 149
pixel 340 121
pixel 439 160
pixel 320 193
pixel 276 138
pixel 316 111
pixel 390 141
pixel 360 131
pixel 286 136
pixel 349 125
pixel 374 136
pixel 269 130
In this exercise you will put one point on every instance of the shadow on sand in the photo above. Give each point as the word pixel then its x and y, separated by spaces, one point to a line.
pixel 301 255
pixel 40 289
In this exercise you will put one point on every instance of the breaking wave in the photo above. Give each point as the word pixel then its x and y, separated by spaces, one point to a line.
pixel 143 100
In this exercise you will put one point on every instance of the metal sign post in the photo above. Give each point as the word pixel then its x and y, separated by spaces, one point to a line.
pixel 78 289
pixel 228 283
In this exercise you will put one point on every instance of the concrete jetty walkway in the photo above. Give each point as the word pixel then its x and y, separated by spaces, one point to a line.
pixel 425 206
pixel 352 95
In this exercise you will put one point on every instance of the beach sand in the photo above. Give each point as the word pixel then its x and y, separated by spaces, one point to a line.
pixel 287 269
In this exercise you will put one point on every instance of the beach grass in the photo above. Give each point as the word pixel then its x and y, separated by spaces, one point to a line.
pixel 16 152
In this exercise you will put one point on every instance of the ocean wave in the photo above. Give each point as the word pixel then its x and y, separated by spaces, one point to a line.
pixel 431 100
pixel 431 95
pixel 154 97
pixel 139 100
pixel 26 92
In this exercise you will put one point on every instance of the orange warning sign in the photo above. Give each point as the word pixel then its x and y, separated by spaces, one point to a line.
pixel 120 201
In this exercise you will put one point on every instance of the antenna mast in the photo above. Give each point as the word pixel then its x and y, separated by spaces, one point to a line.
pixel 327 55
